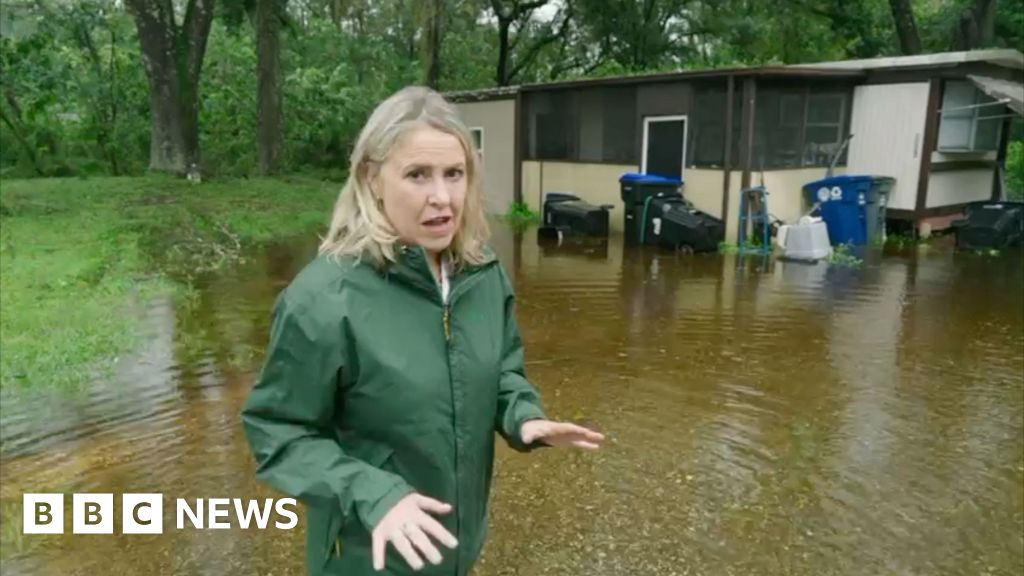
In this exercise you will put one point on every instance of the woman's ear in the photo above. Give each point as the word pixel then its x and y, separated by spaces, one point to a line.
pixel 372 175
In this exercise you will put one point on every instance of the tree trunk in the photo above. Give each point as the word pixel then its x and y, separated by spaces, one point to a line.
pixel 501 78
pixel 16 127
pixel 976 27
pixel 508 70
pixel 906 27
pixel 337 11
pixel 433 45
pixel 271 142
pixel 173 56
pixel 113 101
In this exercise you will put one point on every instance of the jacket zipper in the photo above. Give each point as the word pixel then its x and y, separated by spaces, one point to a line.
pixel 447 323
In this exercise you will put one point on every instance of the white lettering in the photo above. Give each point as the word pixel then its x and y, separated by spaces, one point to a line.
pixel 42 513
pixel 218 509
pixel 92 514
pixel 184 509
pixel 142 514
pixel 253 509
pixel 281 510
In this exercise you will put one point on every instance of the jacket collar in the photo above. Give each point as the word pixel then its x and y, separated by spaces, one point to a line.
pixel 412 267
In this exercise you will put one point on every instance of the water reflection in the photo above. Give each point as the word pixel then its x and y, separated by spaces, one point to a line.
pixel 763 418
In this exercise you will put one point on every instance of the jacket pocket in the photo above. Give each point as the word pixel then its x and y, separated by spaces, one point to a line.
pixel 373 453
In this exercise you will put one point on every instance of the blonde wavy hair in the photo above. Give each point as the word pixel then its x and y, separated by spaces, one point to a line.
pixel 359 225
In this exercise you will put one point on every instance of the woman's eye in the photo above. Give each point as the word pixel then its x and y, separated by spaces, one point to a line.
pixel 454 173
pixel 417 175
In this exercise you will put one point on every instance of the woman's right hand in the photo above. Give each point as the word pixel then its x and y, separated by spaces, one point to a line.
pixel 407 526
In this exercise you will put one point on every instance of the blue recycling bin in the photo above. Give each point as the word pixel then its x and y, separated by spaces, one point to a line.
pixel 852 206
pixel 637 190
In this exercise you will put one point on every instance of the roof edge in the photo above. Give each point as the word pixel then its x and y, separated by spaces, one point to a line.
pixel 482 94
pixel 839 70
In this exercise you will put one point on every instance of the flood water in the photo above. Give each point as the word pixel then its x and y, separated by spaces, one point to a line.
pixel 764 418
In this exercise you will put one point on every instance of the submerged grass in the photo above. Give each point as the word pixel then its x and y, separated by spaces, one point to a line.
pixel 843 255
pixel 76 254
pixel 520 216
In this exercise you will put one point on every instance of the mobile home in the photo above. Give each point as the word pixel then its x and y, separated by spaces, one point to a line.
pixel 937 123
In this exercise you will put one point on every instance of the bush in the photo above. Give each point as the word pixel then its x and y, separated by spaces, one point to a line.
pixel 521 216
pixel 1015 171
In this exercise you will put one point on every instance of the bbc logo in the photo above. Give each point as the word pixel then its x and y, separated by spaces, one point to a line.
pixel 144 513
pixel 93 513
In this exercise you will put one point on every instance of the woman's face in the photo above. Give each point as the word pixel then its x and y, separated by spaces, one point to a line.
pixel 423 187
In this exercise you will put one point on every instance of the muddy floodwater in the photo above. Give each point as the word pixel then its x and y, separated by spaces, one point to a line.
pixel 764 418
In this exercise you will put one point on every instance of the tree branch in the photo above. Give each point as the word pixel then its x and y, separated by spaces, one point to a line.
pixel 496 6
pixel 521 9
pixel 534 50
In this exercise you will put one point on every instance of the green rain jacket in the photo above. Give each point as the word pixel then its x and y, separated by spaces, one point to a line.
pixel 373 388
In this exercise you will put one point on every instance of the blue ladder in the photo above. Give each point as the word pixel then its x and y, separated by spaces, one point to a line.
pixel 754 211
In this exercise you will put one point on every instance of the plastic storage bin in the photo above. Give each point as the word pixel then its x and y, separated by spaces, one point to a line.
pixel 990 225
pixel 572 215
pixel 806 241
pixel 675 223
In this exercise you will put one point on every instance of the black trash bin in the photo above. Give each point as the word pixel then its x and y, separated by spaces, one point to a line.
pixel 569 214
pixel 637 191
pixel 675 223
pixel 990 225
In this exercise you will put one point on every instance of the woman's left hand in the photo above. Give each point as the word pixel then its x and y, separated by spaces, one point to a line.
pixel 560 434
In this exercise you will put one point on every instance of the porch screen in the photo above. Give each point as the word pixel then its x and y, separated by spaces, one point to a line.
pixel 796 126
pixel 595 125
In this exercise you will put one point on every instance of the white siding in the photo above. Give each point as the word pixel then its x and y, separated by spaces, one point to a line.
pixel 888 133
pixel 959 186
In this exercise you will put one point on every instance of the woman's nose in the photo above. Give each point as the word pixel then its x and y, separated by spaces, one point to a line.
pixel 439 194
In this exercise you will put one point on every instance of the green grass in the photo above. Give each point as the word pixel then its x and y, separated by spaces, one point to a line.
pixel 520 216
pixel 77 256
pixel 728 248
pixel 842 256
pixel 905 240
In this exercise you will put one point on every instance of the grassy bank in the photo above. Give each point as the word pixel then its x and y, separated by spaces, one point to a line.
pixel 76 255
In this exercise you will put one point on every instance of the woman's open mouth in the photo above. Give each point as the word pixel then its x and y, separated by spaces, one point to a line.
pixel 439 225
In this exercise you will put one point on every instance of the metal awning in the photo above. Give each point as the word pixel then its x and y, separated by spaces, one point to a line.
pixel 1006 91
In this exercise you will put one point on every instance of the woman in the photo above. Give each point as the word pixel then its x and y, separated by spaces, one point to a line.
pixel 395 356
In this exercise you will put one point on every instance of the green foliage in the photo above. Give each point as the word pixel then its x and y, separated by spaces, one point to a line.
pixel 76 95
pixel 1015 171
pixel 1009 24
pixel 76 254
pixel 728 248
pixel 76 98
pixel 227 128
pixel 842 256
pixel 521 216
pixel 331 85
pixel 906 240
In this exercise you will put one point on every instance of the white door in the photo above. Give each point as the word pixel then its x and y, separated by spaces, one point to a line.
pixel 664 150
pixel 888 136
